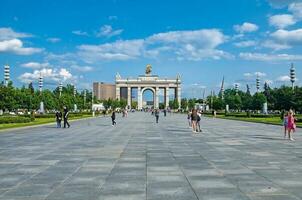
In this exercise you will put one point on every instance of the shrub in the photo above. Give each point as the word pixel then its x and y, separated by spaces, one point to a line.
pixel 15 119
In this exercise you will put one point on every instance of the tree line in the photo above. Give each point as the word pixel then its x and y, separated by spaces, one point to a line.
pixel 282 98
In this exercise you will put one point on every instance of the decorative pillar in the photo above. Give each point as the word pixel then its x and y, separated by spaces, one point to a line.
pixel 167 97
pixel 129 97
pixel 157 97
pixel 139 99
pixel 117 92
pixel 179 96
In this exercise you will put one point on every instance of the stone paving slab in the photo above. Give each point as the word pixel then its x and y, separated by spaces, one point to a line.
pixel 139 159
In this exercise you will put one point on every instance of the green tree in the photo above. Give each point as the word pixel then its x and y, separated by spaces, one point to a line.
pixel 258 100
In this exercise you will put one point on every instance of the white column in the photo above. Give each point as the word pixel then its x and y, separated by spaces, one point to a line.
pixel 167 96
pixel 117 92
pixel 156 97
pixel 179 96
pixel 139 98
pixel 129 97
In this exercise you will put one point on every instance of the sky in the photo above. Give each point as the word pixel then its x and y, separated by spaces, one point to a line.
pixel 81 42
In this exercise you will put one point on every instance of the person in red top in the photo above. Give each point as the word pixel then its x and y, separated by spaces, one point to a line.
pixel 291 126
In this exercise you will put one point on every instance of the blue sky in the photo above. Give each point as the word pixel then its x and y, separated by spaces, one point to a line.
pixel 84 41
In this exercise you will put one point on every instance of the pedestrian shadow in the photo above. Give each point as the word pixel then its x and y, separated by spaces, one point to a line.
pixel 267 138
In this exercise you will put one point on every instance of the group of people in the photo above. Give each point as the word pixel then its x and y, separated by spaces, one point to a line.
pixel 64 116
pixel 194 118
pixel 289 123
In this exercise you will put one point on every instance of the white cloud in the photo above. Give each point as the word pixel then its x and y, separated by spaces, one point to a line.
pixel 107 31
pixel 248 74
pixel 8 34
pixel 35 65
pixel 275 45
pixel 293 37
pixel 284 78
pixel 260 74
pixel 49 75
pixel 181 45
pixel 269 82
pixel 248 43
pixel 79 32
pixel 53 40
pixel 16 46
pixel 119 50
pixel 269 57
pixel 82 68
pixel 280 3
pixel 246 27
pixel 190 45
pixel 281 21
pixel 296 9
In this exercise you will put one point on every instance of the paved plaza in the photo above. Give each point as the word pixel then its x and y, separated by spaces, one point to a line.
pixel 139 159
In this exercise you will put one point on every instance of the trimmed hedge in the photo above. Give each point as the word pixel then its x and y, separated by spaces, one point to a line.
pixel 15 119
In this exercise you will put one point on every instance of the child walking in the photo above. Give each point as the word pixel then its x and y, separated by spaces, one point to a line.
pixel 291 126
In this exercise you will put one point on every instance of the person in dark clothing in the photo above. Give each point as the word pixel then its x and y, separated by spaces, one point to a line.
pixel 165 112
pixel 65 117
pixel 59 118
pixel 113 118
pixel 156 115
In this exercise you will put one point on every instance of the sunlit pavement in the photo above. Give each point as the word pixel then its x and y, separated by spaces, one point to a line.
pixel 139 159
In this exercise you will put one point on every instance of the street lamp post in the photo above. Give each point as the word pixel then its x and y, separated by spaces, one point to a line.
pixel 74 96
pixel 236 88
pixel 6 74
pixel 257 83
pixel 60 88
pixel 40 89
pixel 292 75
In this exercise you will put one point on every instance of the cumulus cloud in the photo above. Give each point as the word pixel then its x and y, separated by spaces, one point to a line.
pixel 248 74
pixel 246 27
pixel 183 45
pixel 53 40
pixel 79 32
pixel 269 57
pixel 293 37
pixel 8 34
pixel 271 44
pixel 248 43
pixel 35 65
pixel 107 31
pixel 119 50
pixel 16 46
pixel 296 9
pixel 49 75
pixel 284 78
pixel 260 74
pixel 281 21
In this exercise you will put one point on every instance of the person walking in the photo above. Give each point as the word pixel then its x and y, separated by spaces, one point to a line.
pixel 58 118
pixel 113 118
pixel 165 112
pixel 291 126
pixel 65 116
pixel 285 123
pixel 198 129
pixel 156 115
pixel 194 117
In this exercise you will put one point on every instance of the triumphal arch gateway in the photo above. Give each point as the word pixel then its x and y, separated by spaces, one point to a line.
pixel 147 82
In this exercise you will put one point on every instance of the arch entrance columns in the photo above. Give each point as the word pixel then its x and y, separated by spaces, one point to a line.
pixel 154 83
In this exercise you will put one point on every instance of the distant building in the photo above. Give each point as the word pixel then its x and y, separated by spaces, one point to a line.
pixel 104 91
